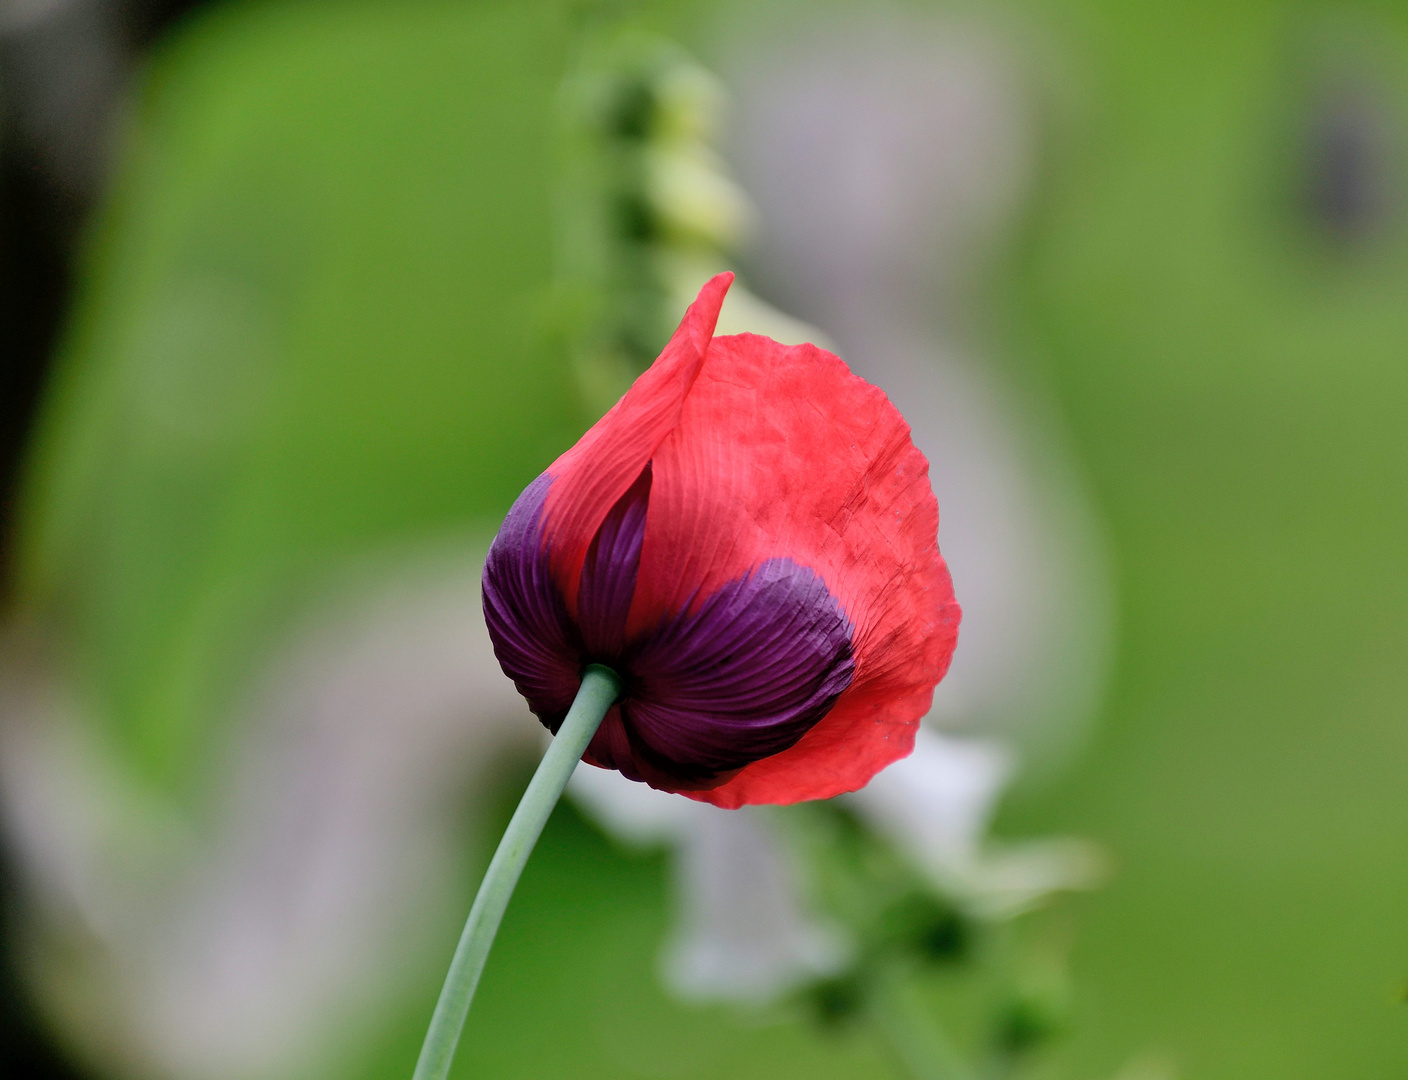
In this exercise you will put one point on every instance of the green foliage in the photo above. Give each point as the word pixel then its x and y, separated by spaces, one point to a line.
pixel 312 331
pixel 936 983
pixel 348 210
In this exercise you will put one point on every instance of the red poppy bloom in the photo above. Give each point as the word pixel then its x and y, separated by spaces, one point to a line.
pixel 749 539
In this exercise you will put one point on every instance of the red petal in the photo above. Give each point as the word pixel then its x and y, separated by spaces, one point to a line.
pixel 590 477
pixel 782 452
pixel 862 734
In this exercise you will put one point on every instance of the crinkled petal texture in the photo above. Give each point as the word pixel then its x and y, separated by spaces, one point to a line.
pixel 750 539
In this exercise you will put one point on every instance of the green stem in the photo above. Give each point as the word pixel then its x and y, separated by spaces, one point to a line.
pixel 917 1043
pixel 600 688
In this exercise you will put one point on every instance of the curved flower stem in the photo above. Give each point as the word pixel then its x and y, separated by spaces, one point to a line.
pixel 600 688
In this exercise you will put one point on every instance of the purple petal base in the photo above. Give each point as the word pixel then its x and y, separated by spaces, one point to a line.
pixel 705 693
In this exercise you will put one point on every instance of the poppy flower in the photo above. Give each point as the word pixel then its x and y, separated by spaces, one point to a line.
pixel 749 539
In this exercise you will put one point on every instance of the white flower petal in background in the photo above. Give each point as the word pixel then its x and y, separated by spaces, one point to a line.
pixel 742 931
pixel 740 928
pixel 934 805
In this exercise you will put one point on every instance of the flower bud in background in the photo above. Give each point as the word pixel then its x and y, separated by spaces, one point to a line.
pixel 646 210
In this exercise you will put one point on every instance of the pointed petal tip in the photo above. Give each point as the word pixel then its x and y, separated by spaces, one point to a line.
pixel 719 282
pixel 607 460
pixel 703 314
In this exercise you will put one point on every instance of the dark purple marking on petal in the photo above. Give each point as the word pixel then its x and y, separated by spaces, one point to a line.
pixel 741 679
pixel 610 747
pixel 609 574
pixel 534 640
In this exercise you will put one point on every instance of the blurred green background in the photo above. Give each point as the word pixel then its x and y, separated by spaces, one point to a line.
pixel 357 198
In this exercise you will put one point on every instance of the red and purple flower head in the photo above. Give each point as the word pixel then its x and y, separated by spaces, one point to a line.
pixel 749 539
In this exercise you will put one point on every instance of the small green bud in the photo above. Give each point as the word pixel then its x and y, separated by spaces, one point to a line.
pixel 836 1001
pixel 1037 1013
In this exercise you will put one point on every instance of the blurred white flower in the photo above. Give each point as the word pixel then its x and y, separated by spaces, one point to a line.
pixel 934 806
pixel 322 887
pixel 742 928
pixel 935 803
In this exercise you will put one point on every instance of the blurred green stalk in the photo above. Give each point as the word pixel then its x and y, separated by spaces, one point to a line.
pixel 917 1044
pixel 600 688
